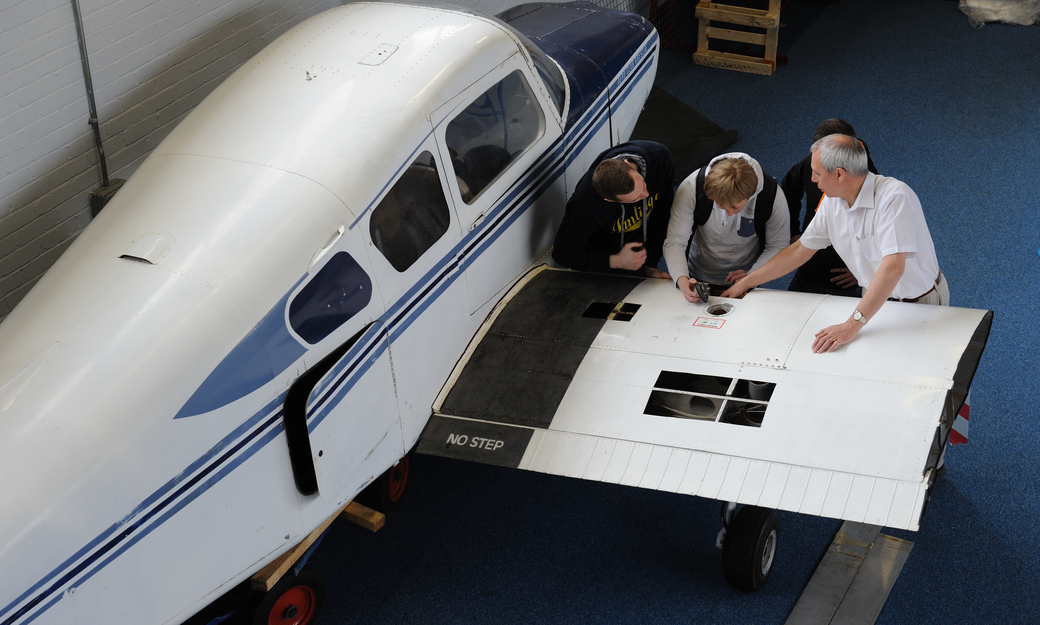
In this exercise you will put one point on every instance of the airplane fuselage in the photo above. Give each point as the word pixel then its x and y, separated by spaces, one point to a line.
pixel 313 247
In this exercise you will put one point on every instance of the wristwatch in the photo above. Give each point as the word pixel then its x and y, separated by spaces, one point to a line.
pixel 858 316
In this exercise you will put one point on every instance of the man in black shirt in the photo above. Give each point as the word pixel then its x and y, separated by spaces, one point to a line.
pixel 825 272
pixel 616 220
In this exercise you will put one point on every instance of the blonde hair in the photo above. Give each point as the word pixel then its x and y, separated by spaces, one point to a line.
pixel 730 182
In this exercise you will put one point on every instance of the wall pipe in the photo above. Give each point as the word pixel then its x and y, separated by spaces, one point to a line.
pixel 90 92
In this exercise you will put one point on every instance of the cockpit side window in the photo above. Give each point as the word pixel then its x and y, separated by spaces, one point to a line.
pixel 340 290
pixel 412 216
pixel 492 131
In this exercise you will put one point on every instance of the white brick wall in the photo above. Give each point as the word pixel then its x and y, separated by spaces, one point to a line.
pixel 151 62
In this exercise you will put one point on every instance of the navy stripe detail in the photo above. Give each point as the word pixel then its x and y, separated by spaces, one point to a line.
pixel 165 496
pixel 265 426
pixel 350 371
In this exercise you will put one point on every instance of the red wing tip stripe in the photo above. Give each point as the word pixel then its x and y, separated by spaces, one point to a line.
pixel 959 432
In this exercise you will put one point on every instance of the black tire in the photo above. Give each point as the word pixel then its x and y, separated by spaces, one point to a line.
pixel 749 550
pixel 294 600
pixel 387 491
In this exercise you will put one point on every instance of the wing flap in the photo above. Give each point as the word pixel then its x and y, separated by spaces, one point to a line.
pixel 864 499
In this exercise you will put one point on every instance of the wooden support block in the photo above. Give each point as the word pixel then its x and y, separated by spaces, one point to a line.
pixel 365 517
pixel 267 577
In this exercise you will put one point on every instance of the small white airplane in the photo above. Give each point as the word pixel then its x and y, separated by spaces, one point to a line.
pixel 256 326
pixel 259 325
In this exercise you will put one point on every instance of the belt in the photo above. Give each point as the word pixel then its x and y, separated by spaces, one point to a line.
pixel 912 300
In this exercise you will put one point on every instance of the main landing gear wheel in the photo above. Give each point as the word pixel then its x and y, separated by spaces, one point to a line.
pixel 749 550
pixel 386 493
pixel 294 600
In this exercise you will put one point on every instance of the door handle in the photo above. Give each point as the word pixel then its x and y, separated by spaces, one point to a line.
pixel 328 246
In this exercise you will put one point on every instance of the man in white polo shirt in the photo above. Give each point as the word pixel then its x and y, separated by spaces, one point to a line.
pixel 876 225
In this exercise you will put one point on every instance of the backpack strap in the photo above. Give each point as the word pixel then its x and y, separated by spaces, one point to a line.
pixel 701 208
pixel 764 209
pixel 703 204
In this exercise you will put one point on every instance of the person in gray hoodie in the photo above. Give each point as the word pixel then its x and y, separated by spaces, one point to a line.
pixel 727 219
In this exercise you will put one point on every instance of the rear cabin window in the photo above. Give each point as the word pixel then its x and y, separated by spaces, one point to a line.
pixel 412 216
pixel 492 131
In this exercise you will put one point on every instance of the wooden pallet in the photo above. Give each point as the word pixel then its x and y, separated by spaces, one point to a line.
pixel 767 21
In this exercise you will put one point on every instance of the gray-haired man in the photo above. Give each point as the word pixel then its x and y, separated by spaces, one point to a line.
pixel 877 226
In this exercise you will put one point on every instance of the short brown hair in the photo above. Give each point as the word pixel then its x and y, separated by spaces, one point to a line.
pixel 613 178
pixel 730 181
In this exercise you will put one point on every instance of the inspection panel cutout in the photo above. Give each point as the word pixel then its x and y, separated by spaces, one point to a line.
pixel 710 398
pixel 611 311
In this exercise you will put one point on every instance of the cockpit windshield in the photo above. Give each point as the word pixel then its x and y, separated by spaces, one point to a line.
pixel 549 73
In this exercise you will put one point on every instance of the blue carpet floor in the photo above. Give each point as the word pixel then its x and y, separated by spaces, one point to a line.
pixel 952 110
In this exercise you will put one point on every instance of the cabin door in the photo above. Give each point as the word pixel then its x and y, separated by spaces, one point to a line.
pixel 501 136
pixel 413 239
pixel 340 413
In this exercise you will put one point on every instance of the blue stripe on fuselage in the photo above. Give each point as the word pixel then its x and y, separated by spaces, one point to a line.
pixel 264 426
pixel 174 495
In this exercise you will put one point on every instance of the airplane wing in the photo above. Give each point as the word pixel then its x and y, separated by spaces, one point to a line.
pixel 619 379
